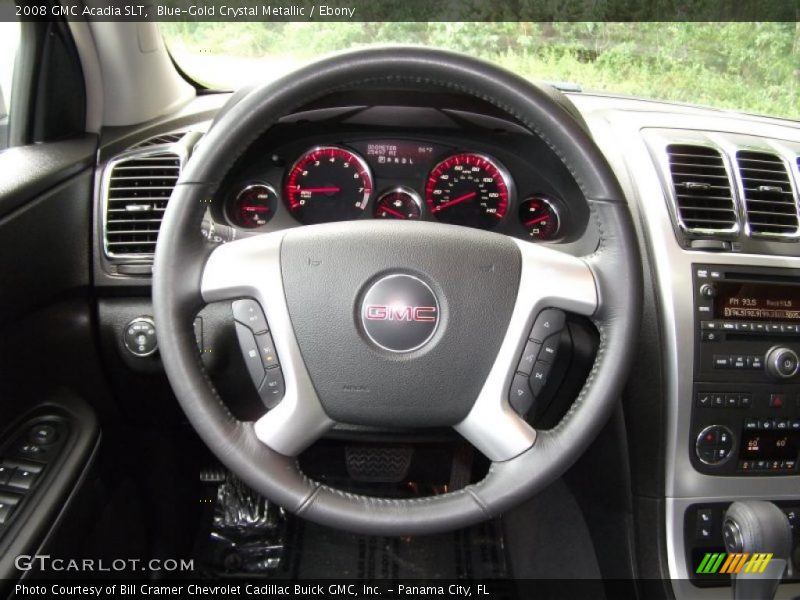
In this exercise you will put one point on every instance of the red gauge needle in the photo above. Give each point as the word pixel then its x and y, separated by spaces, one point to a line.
pixel 321 190
pixel 255 209
pixel 455 201
pixel 391 211
pixel 536 220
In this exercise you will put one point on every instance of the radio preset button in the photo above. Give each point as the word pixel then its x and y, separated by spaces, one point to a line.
pixel 743 327
pixel 729 326
pixel 722 361
pixel 760 327
pixel 709 325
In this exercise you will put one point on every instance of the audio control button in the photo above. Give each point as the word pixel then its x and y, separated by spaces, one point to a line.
pixel 782 363
pixel 722 361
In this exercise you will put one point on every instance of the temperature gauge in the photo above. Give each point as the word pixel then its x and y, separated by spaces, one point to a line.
pixel 540 218
pixel 253 206
pixel 399 203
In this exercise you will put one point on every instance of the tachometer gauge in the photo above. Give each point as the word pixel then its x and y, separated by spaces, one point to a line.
pixel 539 216
pixel 399 203
pixel 468 189
pixel 253 206
pixel 328 184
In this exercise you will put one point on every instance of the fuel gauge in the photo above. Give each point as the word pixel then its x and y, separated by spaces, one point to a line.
pixel 253 206
pixel 399 203
pixel 540 218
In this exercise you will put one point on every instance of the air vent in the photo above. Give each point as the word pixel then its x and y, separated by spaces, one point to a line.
pixel 769 201
pixel 167 138
pixel 703 198
pixel 137 191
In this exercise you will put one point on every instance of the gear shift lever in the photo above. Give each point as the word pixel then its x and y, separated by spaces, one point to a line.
pixel 755 526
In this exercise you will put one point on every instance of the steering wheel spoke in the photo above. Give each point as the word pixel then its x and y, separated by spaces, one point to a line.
pixel 250 268
pixel 548 279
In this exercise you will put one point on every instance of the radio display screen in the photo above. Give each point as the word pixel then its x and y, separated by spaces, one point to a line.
pixel 757 301
pixel 769 445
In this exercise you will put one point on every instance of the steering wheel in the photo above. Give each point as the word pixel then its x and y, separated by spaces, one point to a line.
pixel 471 296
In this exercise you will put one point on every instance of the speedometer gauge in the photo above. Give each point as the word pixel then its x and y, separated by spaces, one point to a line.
pixel 468 189
pixel 328 184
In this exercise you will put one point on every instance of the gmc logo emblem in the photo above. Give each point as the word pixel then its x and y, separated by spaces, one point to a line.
pixel 382 312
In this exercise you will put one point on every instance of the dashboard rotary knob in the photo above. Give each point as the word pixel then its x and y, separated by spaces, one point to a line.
pixel 782 363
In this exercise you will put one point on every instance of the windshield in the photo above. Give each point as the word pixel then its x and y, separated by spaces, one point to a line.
pixel 752 67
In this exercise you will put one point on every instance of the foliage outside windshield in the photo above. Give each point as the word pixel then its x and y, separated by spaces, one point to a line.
pixel 753 67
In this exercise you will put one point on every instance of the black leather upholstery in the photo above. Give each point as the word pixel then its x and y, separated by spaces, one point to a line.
pixel 180 256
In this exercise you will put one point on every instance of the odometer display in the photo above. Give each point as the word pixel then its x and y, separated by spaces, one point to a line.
pixel 468 189
pixel 328 184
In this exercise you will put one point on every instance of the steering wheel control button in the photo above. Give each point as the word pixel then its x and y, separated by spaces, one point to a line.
pixel 549 349
pixel 528 358
pixel 249 313
pixel 520 396
pixel 538 377
pixel 548 322
pixel 266 349
pixel 139 337
pixel 714 445
pixel 400 313
pixel 272 388
pixel 250 353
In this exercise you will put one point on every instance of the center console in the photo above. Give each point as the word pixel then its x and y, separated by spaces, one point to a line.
pixel 746 391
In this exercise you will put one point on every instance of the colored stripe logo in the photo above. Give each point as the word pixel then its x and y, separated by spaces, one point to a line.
pixel 721 562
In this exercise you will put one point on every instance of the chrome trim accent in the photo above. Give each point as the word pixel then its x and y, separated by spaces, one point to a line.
pixel 658 141
pixel 179 150
pixel 359 159
pixel 554 206
pixel 765 147
pixel 623 138
pixel 548 278
pixel 251 267
pixel 366 328
pixel 401 189
pixel 697 446
pixel 255 184
pixel 150 322
pixel 774 354
pixel 505 175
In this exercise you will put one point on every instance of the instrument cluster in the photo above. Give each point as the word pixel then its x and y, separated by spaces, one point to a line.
pixel 398 179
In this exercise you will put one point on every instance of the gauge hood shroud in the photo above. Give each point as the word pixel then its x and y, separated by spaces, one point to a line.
pixel 359 383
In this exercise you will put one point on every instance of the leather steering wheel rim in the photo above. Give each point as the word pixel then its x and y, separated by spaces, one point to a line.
pixel 182 255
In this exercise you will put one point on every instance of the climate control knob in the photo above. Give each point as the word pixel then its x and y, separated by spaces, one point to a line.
pixel 782 363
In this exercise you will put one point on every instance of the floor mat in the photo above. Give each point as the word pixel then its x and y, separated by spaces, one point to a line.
pixel 246 536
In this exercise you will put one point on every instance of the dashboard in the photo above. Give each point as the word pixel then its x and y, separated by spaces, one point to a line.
pixel 470 170
pixel 468 166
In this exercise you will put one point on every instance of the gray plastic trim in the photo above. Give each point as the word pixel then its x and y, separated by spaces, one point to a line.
pixel 622 137
pixel 251 268
pixel 547 279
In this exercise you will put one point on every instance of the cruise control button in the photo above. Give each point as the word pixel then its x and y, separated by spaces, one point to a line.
pixel 273 387
pixel 528 358
pixel 548 322
pixel 250 353
pixel 266 348
pixel 538 376
pixel 248 312
pixel 520 396
pixel 549 349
